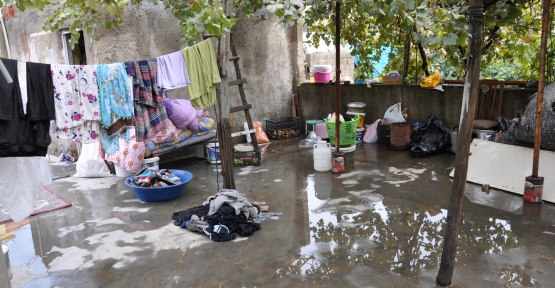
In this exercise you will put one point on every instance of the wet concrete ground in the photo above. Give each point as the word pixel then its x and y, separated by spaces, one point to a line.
pixel 379 224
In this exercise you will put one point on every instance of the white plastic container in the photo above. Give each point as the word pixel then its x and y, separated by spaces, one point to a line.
pixel 322 156
pixel 121 172
pixel 153 162
pixel 213 153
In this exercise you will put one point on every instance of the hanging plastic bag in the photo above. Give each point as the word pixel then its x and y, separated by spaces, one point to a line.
pixel 90 163
pixel 371 132
pixel 432 81
pixel 24 178
pixel 259 132
pixel 430 138
pixel 393 114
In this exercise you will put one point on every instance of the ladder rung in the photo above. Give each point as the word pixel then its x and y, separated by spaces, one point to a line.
pixel 237 82
pixel 240 108
pixel 242 133
pixel 234 58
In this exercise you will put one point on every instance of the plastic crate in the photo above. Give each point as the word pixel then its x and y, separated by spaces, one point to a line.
pixel 290 127
pixel 247 158
pixel 347 131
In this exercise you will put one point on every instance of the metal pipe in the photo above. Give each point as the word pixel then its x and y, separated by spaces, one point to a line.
pixel 541 85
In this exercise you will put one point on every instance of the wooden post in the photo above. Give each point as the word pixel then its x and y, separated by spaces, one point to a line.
pixel 337 72
pixel 475 18
pixel 539 104
pixel 224 125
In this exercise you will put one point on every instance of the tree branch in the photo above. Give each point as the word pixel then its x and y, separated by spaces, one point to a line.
pixel 491 37
pixel 424 60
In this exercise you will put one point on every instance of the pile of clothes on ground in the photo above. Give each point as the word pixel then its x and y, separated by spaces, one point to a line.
pixel 222 216
pixel 149 177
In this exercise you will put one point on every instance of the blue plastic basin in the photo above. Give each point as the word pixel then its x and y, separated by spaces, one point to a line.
pixel 158 194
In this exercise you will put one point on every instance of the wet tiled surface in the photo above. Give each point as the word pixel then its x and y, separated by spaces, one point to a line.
pixel 379 224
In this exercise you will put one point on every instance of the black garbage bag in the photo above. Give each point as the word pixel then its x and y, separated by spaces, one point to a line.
pixel 504 123
pixel 430 138
pixel 383 134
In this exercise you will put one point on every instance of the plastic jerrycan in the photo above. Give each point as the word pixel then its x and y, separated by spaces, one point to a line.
pixel 322 156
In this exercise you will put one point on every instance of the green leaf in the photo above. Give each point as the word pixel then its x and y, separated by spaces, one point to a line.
pixel 450 39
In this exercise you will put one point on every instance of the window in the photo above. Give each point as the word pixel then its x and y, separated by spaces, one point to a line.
pixel 75 55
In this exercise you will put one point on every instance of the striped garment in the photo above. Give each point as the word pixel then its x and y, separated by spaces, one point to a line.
pixel 150 112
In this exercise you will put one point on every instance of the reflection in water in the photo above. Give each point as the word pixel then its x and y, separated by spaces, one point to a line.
pixel 364 229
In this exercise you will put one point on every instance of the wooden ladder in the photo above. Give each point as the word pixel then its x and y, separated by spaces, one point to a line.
pixel 245 106
pixel 223 104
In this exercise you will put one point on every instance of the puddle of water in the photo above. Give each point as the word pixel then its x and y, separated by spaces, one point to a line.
pixel 367 230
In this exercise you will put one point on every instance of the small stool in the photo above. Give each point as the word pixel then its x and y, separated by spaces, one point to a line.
pixel 311 122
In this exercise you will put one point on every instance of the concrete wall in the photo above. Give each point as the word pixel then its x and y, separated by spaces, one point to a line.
pixel 269 54
pixel 317 100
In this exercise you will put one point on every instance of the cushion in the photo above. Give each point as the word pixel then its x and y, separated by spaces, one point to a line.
pixel 180 112
pixel 485 125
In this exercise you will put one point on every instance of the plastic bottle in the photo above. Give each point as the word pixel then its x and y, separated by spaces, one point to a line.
pixel 322 156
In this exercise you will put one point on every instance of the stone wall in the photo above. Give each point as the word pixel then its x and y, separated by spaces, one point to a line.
pixel 317 100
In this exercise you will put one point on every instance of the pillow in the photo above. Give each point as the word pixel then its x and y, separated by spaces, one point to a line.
pixel 180 112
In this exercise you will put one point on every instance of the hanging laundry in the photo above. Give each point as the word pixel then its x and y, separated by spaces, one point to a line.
pixel 115 103
pixel 151 118
pixel 77 102
pixel 172 73
pixel 203 71
pixel 20 134
pixel 22 77
pixel 129 155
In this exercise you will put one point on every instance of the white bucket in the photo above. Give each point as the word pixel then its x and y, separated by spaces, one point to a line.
pixel 6 251
pixel 153 162
pixel 213 153
pixel 121 172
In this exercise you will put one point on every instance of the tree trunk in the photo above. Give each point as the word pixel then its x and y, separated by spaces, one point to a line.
pixel 471 89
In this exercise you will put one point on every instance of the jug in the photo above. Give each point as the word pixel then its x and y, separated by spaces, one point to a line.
pixel 322 156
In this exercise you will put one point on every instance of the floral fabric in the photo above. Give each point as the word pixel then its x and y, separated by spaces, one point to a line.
pixel 76 101
pixel 130 154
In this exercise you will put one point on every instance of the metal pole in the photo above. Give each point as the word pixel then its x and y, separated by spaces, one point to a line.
pixel 475 18
pixel 541 85
pixel 337 72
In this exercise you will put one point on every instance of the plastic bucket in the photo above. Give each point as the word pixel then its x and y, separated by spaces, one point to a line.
pixel 322 77
pixel 488 135
pixel 121 172
pixel 213 153
pixel 153 162
pixel 6 251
